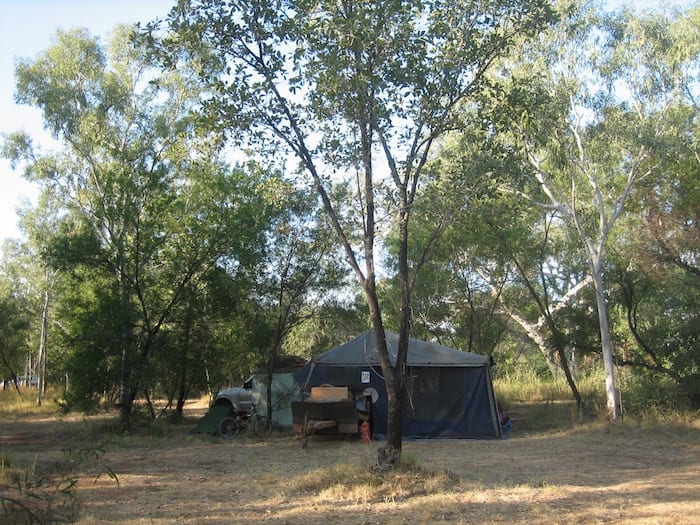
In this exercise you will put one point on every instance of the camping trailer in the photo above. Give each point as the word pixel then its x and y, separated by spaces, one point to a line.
pixel 449 392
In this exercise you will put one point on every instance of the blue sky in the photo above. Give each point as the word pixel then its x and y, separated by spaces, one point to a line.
pixel 26 29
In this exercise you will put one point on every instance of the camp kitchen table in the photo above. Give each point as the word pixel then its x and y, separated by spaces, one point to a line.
pixel 328 409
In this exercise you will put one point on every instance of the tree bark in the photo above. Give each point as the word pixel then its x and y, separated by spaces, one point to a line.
pixel 41 358
pixel 389 455
pixel 611 397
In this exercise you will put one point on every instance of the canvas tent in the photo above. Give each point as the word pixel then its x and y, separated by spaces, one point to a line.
pixel 284 389
pixel 449 392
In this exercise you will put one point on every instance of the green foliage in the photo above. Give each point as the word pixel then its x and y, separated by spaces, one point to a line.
pixel 330 326
pixel 569 136
pixel 144 206
pixel 300 275
pixel 88 342
pixel 654 393
pixel 15 323
pixel 657 329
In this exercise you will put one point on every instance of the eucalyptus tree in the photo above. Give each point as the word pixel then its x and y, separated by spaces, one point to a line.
pixel 38 225
pixel 357 92
pixel 589 108
pixel 519 260
pixel 148 205
pixel 658 328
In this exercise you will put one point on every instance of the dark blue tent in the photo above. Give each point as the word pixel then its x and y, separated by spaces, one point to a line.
pixel 449 392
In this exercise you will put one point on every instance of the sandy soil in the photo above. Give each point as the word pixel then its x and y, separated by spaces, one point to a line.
pixel 589 474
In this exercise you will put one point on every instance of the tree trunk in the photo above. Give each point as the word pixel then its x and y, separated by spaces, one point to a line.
pixel 388 456
pixel 125 400
pixel 542 342
pixel 561 352
pixel 183 365
pixel 149 405
pixel 268 393
pixel 13 374
pixel 551 348
pixel 41 358
pixel 612 400
pixel 181 394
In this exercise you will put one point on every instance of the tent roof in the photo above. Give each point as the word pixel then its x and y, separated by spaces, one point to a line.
pixel 363 351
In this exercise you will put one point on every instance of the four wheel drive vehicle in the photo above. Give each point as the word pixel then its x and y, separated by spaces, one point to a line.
pixel 240 399
pixel 241 413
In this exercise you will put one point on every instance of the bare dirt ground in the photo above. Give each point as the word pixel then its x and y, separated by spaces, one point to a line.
pixel 593 473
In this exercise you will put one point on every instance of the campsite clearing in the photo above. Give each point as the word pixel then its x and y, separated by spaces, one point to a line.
pixel 629 473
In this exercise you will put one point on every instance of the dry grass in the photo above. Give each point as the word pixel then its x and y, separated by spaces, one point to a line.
pixel 635 472
pixel 14 404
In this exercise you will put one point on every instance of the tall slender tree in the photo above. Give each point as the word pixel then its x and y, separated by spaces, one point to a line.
pixel 359 92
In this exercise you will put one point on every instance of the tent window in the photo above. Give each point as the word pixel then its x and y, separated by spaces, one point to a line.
pixel 436 393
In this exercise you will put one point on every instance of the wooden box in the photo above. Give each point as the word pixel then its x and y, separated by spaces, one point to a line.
pixel 329 394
